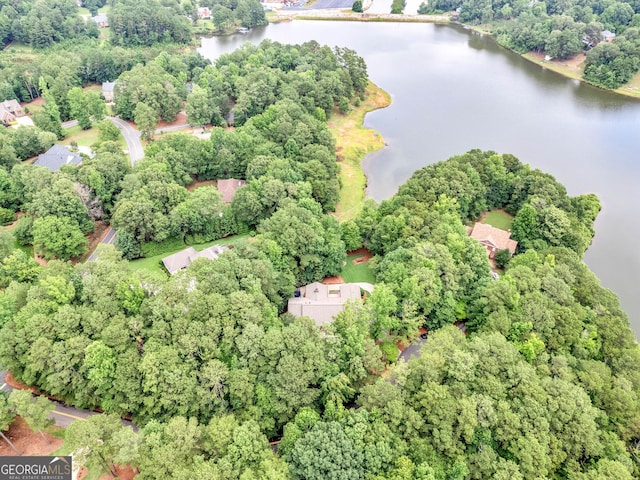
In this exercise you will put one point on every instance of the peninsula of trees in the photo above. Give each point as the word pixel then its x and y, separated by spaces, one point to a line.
pixel 210 365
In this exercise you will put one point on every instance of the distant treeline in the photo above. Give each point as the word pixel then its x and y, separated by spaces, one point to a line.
pixel 562 29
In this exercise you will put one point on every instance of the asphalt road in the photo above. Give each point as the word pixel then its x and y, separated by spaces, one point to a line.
pixel 413 350
pixel 131 137
pixel 108 239
pixel 136 152
pixel 62 415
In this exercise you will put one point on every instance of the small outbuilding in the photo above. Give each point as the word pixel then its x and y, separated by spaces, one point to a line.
pixel 56 157
pixel 101 20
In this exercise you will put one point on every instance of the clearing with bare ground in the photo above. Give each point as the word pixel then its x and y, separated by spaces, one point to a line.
pixel 27 441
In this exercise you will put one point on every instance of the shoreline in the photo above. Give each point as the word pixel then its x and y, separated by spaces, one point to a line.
pixel 353 142
pixel 627 90
pixel 562 69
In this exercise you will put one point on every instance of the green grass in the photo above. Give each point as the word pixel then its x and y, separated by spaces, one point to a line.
pixel 86 138
pixel 498 219
pixel 353 142
pixel 357 272
pixel 154 264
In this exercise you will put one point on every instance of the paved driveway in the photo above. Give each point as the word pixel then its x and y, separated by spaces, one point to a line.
pixel 413 350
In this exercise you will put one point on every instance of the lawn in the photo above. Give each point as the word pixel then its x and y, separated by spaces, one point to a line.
pixel 357 272
pixel 84 138
pixel 498 219
pixel 353 142
pixel 154 264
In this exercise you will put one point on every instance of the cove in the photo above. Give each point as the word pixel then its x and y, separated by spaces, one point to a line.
pixel 453 90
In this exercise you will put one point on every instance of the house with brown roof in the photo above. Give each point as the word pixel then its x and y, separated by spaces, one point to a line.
pixel 322 302
pixel 228 188
pixel 182 259
pixel 9 110
pixel 493 239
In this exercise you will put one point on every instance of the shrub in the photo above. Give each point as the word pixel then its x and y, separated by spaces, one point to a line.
pixel 390 351
pixel 357 6
pixel 503 257
pixel 22 232
pixel 398 6
pixel 6 216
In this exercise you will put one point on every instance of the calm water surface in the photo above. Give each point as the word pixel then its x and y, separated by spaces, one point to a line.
pixel 453 90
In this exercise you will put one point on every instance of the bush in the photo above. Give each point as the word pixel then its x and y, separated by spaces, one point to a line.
pixel 6 216
pixel 357 6
pixel 151 249
pixel 22 232
pixel 343 105
pixel 390 351
pixel 503 257
pixel 423 9
pixel 398 6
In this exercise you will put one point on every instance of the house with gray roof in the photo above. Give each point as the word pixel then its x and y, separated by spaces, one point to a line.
pixel 322 302
pixel 182 259
pixel 56 157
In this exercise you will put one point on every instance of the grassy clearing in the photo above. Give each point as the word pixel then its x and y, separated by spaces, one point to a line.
pixel 353 142
pixel 104 33
pixel 154 264
pixel 632 88
pixel 565 69
pixel 498 219
pixel 84 138
pixel 357 272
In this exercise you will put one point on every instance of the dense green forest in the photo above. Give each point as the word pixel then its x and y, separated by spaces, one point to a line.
pixel 562 29
pixel 544 386
pixel 210 365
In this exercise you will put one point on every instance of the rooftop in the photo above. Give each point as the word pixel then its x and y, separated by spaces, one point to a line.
pixel 56 157
pixel 500 239
pixel 228 188
pixel 322 302
pixel 182 259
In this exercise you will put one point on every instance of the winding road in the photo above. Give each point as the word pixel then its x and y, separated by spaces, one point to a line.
pixel 136 152
pixel 62 415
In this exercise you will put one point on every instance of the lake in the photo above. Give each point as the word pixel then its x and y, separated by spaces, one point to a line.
pixel 454 90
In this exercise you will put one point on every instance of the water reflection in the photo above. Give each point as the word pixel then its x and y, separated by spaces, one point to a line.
pixel 454 90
